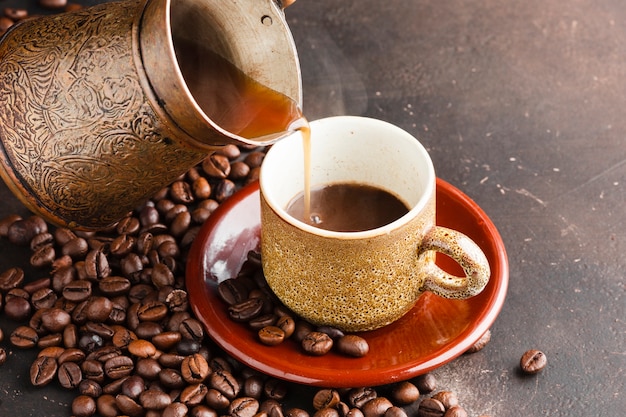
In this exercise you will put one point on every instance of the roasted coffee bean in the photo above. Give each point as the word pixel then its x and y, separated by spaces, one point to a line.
pixel 533 361
pixel 275 389
pixel 395 412
pixel 171 378
pixel 22 231
pixel 193 394
pixel 254 159
pixel 191 329
pixel 225 382
pixel 69 375
pixel 141 348
pixel 253 386
pixel 448 398
pixel 55 320
pixel 180 192
pixel 98 309
pixel 216 399
pixel 194 369
pixel 71 355
pixel 224 189
pixel 317 344
pixel 11 278
pixel 77 291
pixel 6 222
pixel 133 386
pixel 271 335
pixel 152 311
pixel 326 398
pixel 238 170
pixel 232 291
pixel 122 337
pixel 70 336
pixel 118 367
pixel 42 371
pixel 353 345
pixel 114 285
pixel 97 265
pixel 43 298
pixel 480 343
pixel 107 406
pixel 333 332
pixel 376 407
pixel 404 393
pixel 243 407
pixel 357 397
pixel 83 405
pixel 430 407
pixel 129 406
pixel 24 337
pixel 75 248
pixel 162 276
pixel 287 324
pixel 17 309
pixel 216 166
pixel 89 342
pixel 426 383
pixel 152 399
pixel 41 240
pixel 148 368
pixel 50 340
pixel 177 300
pixel 456 411
pixel 43 257
pixel 262 321
pixel 90 388
pixel 303 328
pixel 176 409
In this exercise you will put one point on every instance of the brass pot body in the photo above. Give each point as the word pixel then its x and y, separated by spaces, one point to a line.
pixel 95 116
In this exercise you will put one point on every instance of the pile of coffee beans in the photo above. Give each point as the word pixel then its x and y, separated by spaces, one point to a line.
pixel 251 301
pixel 111 318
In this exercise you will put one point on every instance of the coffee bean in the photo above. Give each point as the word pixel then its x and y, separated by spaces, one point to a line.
pixel 317 343
pixel 154 399
pixel 326 412
pixel 43 298
pixel 192 329
pixel 533 361
pixel 53 4
pixel 253 386
pixel 22 231
pixel 152 311
pixel 395 412
pixel 98 309
pixel 176 409
pixel 24 337
pixel 216 166
pixel 194 369
pixel 239 170
pixel 287 324
pixel 6 222
pixel 426 383
pixel 404 393
pixel 97 265
pixel 118 367
pixel 69 375
pixel 232 291
pixel 113 286
pixel 180 192
pixel 83 406
pixel 430 407
pixel 129 406
pixel 216 399
pixel 55 320
pixel 89 388
pixel 71 355
pixel 226 383
pixel 326 398
pixel 271 335
pixel 353 345
pixel 77 291
pixel 357 397
pixel 11 278
pixel 224 189
pixel 254 159
pixel 376 407
pixel 42 371
pixel 17 309
pixel 275 389
pixel 193 394
pixel 448 398
pixel 243 407
pixel 148 368
pixel 456 411
pixel 43 256
pixel 297 412
pixel 75 248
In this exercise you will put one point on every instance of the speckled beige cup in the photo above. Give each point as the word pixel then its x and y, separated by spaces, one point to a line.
pixel 359 281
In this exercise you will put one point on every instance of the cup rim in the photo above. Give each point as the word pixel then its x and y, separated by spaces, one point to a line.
pixel 418 207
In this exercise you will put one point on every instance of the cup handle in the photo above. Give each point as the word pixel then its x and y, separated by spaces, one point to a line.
pixel 466 253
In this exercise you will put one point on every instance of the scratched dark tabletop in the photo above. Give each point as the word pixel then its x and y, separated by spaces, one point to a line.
pixel 522 105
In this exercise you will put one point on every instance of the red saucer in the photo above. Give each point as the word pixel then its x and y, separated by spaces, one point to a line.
pixel 433 333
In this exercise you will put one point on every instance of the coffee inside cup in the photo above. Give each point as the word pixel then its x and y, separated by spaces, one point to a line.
pixel 347 207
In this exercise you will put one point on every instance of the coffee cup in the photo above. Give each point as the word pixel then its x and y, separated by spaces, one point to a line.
pixel 359 280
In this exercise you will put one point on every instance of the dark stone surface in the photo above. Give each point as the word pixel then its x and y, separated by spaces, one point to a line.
pixel 521 105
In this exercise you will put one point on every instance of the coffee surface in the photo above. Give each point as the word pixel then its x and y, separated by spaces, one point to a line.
pixel 348 207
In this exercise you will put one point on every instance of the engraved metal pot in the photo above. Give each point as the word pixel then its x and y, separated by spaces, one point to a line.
pixel 95 116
